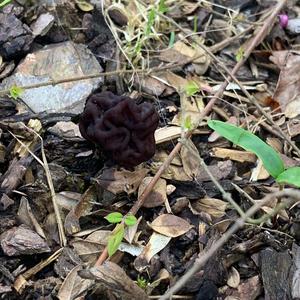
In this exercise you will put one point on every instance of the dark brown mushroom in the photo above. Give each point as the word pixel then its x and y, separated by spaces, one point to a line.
pixel 123 128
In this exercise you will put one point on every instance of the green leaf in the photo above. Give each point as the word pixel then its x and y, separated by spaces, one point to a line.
pixel 195 23
pixel 150 22
pixel 188 123
pixel 191 88
pixel 240 53
pixel 172 39
pixel 162 8
pixel 130 220
pixel 115 239
pixel 5 2
pixel 114 217
pixel 250 142
pixel 290 176
pixel 15 92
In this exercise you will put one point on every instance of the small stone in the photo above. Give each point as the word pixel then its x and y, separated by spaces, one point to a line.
pixel 56 62
pixel 43 24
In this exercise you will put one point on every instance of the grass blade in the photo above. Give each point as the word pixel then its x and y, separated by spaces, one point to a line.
pixel 290 176
pixel 250 142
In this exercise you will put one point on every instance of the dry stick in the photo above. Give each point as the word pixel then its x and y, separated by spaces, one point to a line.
pixel 239 223
pixel 257 39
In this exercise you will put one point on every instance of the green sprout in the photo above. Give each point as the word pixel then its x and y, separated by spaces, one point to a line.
pixel 15 92
pixel 142 282
pixel 117 234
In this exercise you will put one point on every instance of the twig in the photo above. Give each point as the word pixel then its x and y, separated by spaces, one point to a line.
pixel 239 223
pixel 97 75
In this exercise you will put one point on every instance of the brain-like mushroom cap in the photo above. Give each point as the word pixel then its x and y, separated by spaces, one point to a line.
pixel 124 129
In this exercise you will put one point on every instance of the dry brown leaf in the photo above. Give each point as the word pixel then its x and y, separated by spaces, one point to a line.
pixel 288 86
pixel 221 170
pixel 82 208
pixel 293 127
pixel 156 243
pixel 236 155
pixel 182 52
pixel 233 278
pixel 191 160
pixel 73 285
pixel 115 280
pixel 26 217
pixel 214 207
pixel 175 170
pixel 191 108
pixel 151 86
pixel 157 196
pixel 275 143
pixel 259 172
pixel 170 225
pixel 89 248
pixel 121 181
pixel 66 130
pixel 131 231
pixel 249 289
pixel 21 150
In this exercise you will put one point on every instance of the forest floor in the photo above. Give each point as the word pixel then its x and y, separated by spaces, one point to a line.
pixel 214 214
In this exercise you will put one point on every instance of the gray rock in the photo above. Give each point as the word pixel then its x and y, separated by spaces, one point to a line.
pixel 43 24
pixel 15 36
pixel 58 61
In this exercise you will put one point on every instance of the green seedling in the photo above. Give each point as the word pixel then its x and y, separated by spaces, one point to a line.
pixel 142 282
pixel 269 157
pixel 117 234
pixel 15 92
pixel 162 8
pixel 240 54
pixel 191 88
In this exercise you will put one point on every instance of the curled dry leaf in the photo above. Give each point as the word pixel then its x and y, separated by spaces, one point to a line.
pixel 233 278
pixel 74 285
pixel 130 231
pixel 214 207
pixel 182 52
pixel 175 170
pixel 288 86
pixel 115 281
pixel 66 130
pixel 157 242
pixel 259 172
pixel 191 160
pixel 89 248
pixel 26 217
pixel 191 107
pixel 82 208
pixel 121 181
pixel 170 225
pixel 157 196
pixel 249 289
